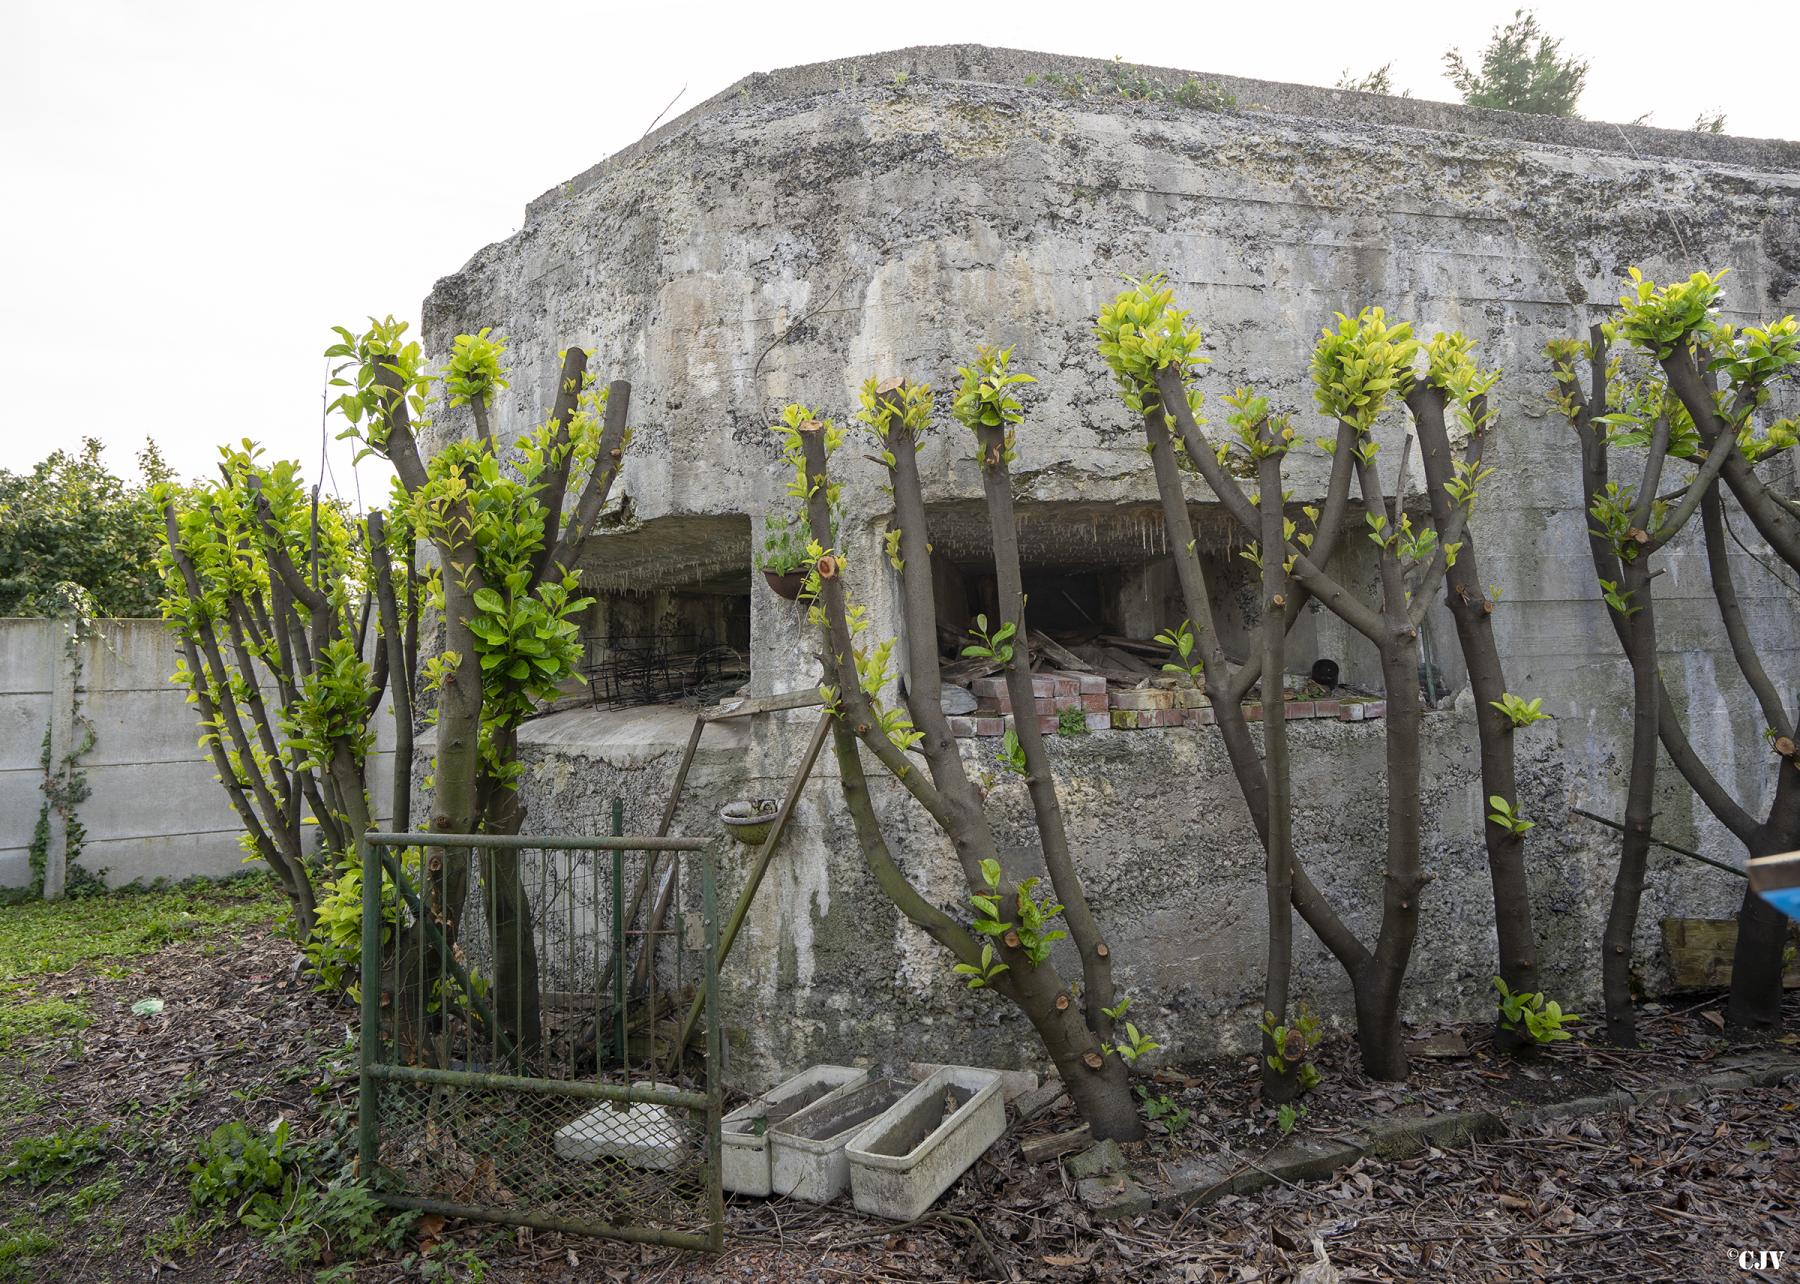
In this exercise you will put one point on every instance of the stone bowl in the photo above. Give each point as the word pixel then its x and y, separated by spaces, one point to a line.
pixel 749 820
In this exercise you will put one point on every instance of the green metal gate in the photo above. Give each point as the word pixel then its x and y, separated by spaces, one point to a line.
pixel 509 1053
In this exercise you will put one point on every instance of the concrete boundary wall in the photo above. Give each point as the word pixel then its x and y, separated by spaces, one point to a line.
pixel 154 809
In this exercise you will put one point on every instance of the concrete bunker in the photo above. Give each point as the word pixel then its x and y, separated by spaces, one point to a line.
pixel 816 226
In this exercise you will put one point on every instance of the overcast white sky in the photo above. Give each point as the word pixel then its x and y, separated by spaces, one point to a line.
pixel 194 193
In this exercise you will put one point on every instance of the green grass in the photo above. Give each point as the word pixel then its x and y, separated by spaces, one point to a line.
pixel 44 938
pixel 44 1160
pixel 18 1245
pixel 23 1019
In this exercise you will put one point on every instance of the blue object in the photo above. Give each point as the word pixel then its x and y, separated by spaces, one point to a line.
pixel 1785 899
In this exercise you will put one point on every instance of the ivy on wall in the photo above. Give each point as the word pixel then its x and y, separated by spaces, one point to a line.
pixel 65 786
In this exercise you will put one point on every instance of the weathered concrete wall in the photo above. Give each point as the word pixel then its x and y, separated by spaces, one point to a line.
pixel 154 809
pixel 812 227
pixel 824 967
pixel 27 672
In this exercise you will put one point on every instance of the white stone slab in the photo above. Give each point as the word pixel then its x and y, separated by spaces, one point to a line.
pixel 642 1134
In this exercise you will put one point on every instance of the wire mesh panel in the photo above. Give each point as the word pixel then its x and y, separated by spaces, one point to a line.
pixel 660 668
pixel 511 1051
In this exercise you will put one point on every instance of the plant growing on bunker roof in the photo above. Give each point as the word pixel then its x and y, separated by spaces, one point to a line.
pixel 1009 946
pixel 1522 69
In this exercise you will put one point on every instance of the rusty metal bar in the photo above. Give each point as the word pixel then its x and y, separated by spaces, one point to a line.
pixel 711 1242
pixel 586 1089
pixel 528 842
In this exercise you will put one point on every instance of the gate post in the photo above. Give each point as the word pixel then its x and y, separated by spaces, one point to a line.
pixel 709 912
pixel 369 1037
pixel 618 930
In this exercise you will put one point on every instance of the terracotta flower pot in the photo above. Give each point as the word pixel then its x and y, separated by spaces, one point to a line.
pixel 786 584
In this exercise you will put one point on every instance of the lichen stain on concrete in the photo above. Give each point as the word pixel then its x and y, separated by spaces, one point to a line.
pixel 967 131
pixel 804 897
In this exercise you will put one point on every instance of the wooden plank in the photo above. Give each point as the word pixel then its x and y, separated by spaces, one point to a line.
pixel 1142 646
pixel 766 704
pixel 967 670
pixel 1772 873
pixel 1777 880
pixel 729 932
pixel 1445 1046
pixel 1700 950
pixel 1125 662
pixel 1060 655
pixel 1037 1150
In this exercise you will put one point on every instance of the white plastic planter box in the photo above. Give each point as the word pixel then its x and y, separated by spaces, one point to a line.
pixel 901 1162
pixel 806 1152
pixel 746 1130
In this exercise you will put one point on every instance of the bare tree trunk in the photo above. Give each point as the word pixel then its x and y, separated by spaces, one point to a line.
pixel 1640 801
pixel 1465 593
pixel 1754 1006
pixel 1376 976
pixel 1040 782
pixel 506 906
pixel 1378 1033
pixel 1277 1085
pixel 400 666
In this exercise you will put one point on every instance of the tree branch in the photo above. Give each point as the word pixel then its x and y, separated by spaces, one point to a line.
pixel 559 454
pixel 1743 649
pixel 608 460
pixel 1040 782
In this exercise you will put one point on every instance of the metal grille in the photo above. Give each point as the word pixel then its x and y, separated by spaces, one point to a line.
pixel 510 1050
pixel 660 668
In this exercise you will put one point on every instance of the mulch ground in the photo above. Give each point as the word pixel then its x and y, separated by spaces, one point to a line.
pixel 1653 1194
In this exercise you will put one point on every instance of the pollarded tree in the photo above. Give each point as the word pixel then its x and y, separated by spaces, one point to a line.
pixel 1082 1027
pixel 1357 369
pixel 1456 389
pixel 262 582
pixel 266 587
pixel 510 527
pixel 1692 389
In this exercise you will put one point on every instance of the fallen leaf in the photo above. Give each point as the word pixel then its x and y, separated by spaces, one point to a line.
pixel 1716 1018
pixel 1319 1271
